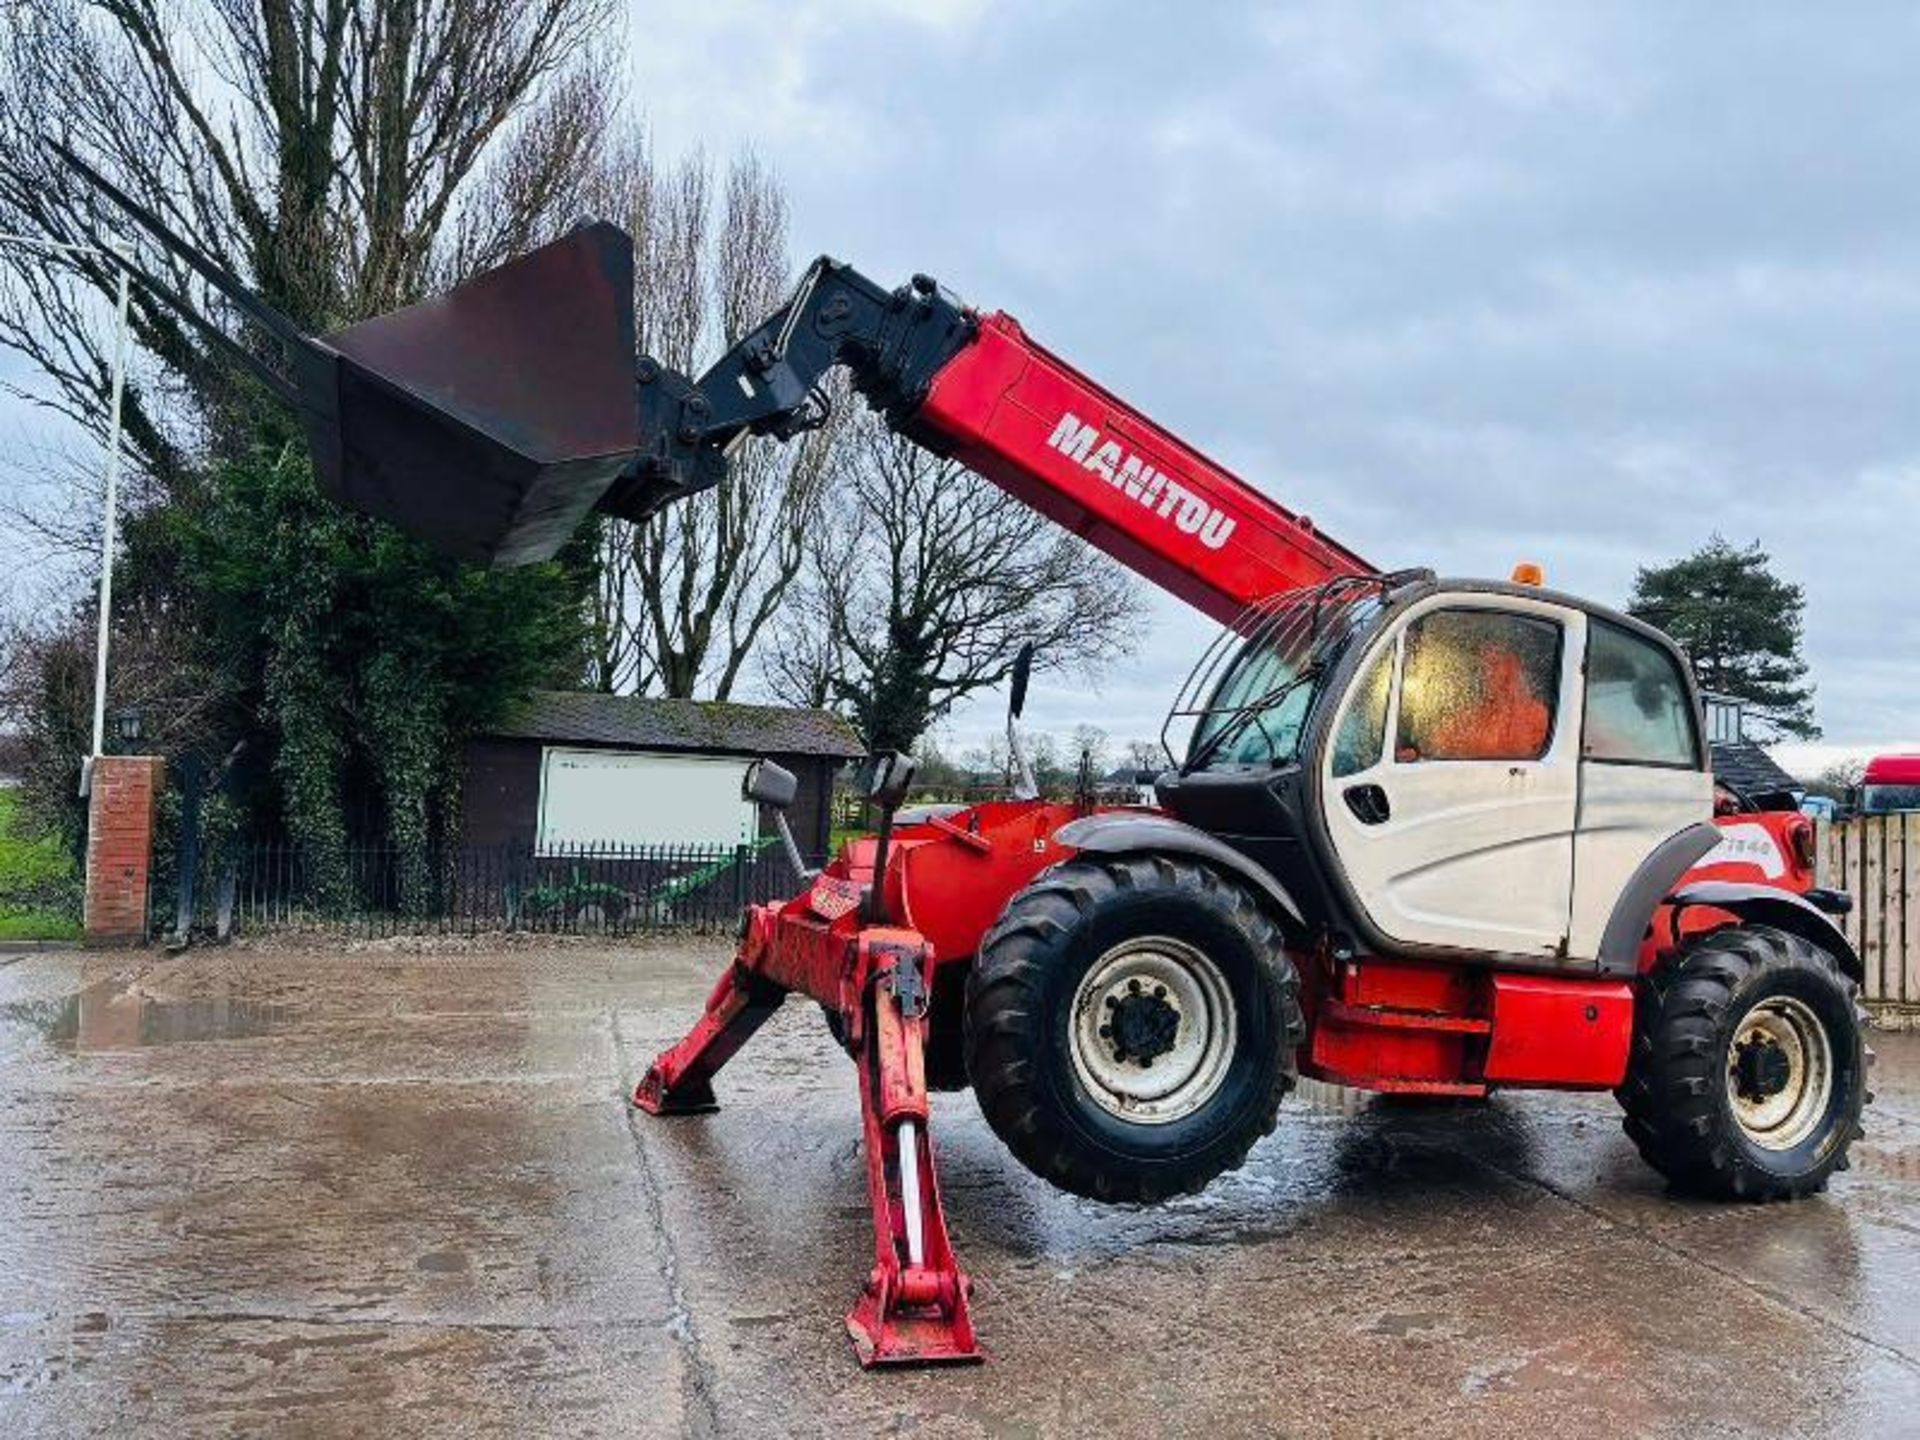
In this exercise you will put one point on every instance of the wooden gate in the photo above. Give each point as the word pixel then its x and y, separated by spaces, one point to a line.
pixel 1874 859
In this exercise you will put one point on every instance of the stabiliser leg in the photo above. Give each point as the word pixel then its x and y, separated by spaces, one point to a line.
pixel 680 1081
pixel 914 1310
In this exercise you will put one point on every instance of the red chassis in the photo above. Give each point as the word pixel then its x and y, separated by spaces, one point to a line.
pixel 1374 1023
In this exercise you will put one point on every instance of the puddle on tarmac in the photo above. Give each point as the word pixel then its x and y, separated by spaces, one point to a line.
pixel 1895 1163
pixel 118 1015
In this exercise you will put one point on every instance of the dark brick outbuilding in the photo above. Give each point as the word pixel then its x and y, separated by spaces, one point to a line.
pixel 501 787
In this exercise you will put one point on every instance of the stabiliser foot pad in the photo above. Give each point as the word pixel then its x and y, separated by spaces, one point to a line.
pixel 652 1096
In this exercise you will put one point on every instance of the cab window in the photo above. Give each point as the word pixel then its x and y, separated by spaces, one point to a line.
pixel 1257 716
pixel 1363 729
pixel 1478 685
pixel 1638 708
pixel 1889 799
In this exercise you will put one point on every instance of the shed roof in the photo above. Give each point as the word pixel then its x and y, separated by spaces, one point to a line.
pixel 1747 768
pixel 646 722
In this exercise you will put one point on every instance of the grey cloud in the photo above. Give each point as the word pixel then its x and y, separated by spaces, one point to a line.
pixel 1470 284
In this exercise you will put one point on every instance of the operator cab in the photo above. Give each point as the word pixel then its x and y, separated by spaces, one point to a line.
pixel 1444 768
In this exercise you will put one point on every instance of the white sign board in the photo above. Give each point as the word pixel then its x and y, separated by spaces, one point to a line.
pixel 613 797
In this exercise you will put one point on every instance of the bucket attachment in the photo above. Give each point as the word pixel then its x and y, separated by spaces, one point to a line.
pixel 490 420
pixel 485 422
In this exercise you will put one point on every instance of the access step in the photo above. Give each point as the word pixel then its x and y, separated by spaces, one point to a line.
pixel 1388 1018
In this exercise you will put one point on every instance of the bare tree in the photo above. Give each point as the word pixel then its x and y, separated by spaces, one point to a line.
pixel 802 657
pixel 988 763
pixel 1839 778
pixel 1091 742
pixel 46 694
pixel 686 595
pixel 342 155
pixel 924 587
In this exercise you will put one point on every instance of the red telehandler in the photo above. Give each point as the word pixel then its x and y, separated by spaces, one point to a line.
pixel 1418 835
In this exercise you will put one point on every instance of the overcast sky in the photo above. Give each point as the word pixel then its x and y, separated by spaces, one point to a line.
pixel 1468 284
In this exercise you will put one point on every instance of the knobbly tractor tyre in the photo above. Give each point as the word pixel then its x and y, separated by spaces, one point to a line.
pixel 1130 1026
pixel 1749 1067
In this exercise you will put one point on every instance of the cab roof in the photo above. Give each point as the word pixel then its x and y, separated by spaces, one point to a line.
pixel 1893 770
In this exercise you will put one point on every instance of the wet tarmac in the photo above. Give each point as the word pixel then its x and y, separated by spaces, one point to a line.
pixel 386 1192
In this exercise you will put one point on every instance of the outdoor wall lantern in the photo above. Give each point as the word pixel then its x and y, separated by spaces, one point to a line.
pixel 127 726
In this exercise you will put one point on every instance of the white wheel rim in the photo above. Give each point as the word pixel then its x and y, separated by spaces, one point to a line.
pixel 1127 994
pixel 1779 1073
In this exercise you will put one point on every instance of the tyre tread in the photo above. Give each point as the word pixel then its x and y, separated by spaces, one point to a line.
pixel 1004 1001
pixel 1670 1093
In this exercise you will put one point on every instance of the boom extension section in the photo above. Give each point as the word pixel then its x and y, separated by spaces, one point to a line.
pixel 978 389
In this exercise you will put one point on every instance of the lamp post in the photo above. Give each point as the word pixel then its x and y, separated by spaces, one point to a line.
pixel 111 502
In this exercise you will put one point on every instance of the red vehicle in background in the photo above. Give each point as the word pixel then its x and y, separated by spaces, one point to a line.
pixel 1891 785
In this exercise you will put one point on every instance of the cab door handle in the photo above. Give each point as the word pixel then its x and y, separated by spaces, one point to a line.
pixel 1368 804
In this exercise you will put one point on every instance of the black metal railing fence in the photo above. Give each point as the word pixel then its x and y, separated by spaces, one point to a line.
pixel 374 891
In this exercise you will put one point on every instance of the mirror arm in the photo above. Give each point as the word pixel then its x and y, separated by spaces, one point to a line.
pixel 772 787
pixel 1024 787
pixel 877 891
pixel 794 858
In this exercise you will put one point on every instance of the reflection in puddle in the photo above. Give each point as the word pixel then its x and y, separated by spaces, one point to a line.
pixel 117 1015
pixel 1334 1099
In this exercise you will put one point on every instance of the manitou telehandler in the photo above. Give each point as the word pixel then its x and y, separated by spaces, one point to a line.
pixel 1418 835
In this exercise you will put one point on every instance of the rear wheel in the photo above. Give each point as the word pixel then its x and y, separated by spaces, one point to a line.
pixel 1749 1066
pixel 1130 1026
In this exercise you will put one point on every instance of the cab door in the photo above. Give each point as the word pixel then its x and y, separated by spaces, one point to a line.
pixel 1452 783
pixel 1643 774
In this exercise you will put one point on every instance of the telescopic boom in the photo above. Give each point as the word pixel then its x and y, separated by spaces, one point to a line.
pixel 979 389
pixel 489 421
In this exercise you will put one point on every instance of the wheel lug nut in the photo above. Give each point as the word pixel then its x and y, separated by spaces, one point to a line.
pixel 1133 987
pixel 1106 1031
pixel 1159 992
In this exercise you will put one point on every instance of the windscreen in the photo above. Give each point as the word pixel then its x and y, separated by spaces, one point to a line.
pixel 1247 702
pixel 1889 799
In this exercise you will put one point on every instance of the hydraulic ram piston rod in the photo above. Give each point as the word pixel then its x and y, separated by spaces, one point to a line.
pixel 910 1191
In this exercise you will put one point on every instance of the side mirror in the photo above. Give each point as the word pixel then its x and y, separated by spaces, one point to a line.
pixel 1022 672
pixel 773 786
pixel 887 777
pixel 769 784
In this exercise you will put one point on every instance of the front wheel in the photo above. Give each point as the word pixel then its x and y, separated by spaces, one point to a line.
pixel 1749 1066
pixel 1130 1026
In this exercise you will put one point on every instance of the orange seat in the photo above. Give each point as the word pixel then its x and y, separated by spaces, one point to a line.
pixel 1507 721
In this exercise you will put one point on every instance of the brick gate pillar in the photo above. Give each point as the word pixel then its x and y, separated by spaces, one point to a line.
pixel 120 815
